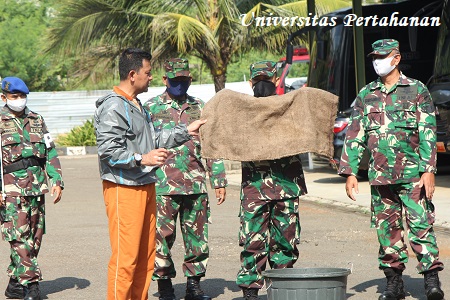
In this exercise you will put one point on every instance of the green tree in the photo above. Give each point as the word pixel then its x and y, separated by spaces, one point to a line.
pixel 22 24
pixel 97 30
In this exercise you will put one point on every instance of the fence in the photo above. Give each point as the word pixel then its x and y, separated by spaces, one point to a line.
pixel 63 111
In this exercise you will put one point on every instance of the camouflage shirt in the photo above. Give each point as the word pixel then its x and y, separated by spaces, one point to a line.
pixel 399 129
pixel 273 179
pixel 23 137
pixel 184 172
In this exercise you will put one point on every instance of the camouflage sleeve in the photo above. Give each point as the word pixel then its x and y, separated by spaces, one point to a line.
pixel 166 138
pixel 148 106
pixel 53 168
pixel 426 118
pixel 354 141
pixel 52 164
pixel 216 172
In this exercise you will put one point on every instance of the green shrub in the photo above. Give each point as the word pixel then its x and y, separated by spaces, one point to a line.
pixel 79 136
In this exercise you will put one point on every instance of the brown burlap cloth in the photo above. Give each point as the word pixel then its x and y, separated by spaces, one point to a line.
pixel 241 127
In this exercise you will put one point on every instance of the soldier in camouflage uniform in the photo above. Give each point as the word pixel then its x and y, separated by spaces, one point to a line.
pixel 394 117
pixel 181 186
pixel 28 157
pixel 269 216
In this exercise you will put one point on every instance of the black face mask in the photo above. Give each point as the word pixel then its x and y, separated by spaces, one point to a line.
pixel 264 88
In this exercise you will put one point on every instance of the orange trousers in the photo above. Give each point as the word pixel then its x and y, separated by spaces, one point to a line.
pixel 131 212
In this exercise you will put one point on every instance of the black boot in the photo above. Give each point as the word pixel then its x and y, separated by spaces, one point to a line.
pixel 165 289
pixel 394 289
pixel 33 292
pixel 193 291
pixel 250 294
pixel 14 290
pixel 433 286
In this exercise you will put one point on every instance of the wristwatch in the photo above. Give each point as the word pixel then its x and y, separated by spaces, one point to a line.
pixel 138 159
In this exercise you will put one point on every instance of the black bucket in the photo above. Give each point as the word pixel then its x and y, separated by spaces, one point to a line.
pixel 307 283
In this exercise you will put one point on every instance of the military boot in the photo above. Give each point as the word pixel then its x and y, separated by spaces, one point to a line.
pixel 193 291
pixel 33 292
pixel 394 289
pixel 433 286
pixel 165 289
pixel 250 294
pixel 14 290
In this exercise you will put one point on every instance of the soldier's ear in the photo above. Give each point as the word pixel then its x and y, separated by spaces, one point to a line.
pixel 277 81
pixel 3 97
pixel 165 81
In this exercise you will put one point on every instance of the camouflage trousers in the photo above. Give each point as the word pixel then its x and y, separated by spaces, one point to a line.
pixel 194 214
pixel 23 226
pixel 269 231
pixel 388 204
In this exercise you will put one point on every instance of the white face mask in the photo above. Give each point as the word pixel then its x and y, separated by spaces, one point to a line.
pixel 383 66
pixel 17 105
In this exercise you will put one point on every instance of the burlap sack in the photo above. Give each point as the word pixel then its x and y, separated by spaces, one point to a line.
pixel 241 127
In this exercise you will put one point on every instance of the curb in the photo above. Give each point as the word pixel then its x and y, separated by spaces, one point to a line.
pixel 443 226
pixel 76 150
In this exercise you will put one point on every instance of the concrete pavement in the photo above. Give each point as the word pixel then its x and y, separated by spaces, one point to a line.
pixel 75 251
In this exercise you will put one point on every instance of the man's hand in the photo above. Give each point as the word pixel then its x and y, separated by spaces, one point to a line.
pixel 427 180
pixel 195 126
pixel 58 191
pixel 156 157
pixel 352 183
pixel 220 195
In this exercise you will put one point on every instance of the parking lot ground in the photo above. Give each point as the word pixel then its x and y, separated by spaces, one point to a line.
pixel 75 250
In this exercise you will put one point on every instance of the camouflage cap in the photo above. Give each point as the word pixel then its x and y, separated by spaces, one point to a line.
pixel 177 67
pixel 384 46
pixel 14 85
pixel 265 67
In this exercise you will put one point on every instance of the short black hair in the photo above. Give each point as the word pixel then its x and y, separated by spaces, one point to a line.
pixel 131 59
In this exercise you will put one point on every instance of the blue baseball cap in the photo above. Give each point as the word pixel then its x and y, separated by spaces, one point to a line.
pixel 14 85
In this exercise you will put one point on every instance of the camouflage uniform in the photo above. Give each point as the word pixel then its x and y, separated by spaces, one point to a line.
pixel 269 216
pixel 181 186
pixel 23 222
pixel 398 126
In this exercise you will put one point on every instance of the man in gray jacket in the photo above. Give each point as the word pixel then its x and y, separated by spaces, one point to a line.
pixel 129 151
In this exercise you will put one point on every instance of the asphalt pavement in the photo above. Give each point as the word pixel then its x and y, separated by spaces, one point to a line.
pixel 335 233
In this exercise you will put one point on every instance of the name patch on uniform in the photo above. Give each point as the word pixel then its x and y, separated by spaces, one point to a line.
pixel 371 99
pixel 163 115
pixel 8 124
pixel 9 130
pixel 406 93
pixel 36 130
pixel 194 114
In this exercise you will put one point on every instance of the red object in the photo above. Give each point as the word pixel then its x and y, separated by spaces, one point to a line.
pixel 300 56
pixel 339 126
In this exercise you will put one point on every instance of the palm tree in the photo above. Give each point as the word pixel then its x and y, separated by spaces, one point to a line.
pixel 212 30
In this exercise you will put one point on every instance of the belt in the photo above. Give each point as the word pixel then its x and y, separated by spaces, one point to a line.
pixel 23 164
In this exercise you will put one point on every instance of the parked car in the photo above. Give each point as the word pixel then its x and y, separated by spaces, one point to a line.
pixel 293 76
pixel 439 86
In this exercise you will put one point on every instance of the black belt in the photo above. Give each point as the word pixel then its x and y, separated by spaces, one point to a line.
pixel 23 164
